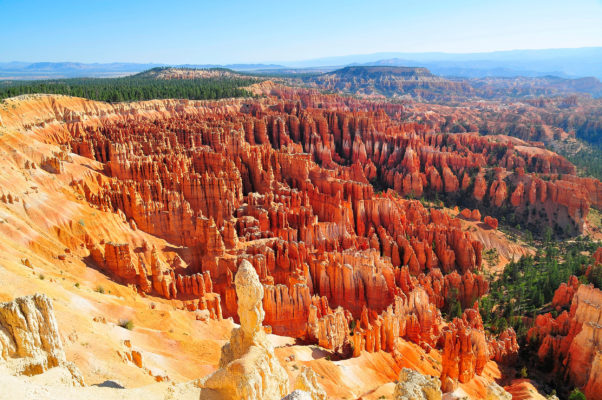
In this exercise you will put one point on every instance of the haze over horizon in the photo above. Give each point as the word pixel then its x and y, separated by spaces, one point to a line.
pixel 281 32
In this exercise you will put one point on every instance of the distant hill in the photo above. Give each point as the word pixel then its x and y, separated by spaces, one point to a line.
pixel 567 63
pixel 390 82
pixel 370 72
pixel 519 87
pixel 168 73
pixel 157 83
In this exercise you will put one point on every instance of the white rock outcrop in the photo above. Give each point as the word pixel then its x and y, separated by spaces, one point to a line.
pixel 30 343
pixel 307 382
pixel 412 385
pixel 249 370
pixel 298 395
pixel 496 392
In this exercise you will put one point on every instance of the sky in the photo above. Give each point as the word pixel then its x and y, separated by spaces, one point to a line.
pixel 221 32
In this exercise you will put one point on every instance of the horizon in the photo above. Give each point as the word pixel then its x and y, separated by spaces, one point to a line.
pixel 283 63
pixel 271 32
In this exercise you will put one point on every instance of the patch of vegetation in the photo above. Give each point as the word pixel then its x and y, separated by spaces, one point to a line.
pixel 352 325
pixel 133 88
pixel 491 256
pixel 577 395
pixel 594 218
pixel 99 289
pixel 126 324
pixel 41 276
pixel 528 284
pixel 587 158
pixel 453 307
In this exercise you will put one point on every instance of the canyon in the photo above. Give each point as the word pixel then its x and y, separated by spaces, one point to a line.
pixel 357 220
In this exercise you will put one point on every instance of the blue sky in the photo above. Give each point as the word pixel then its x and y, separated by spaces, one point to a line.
pixel 262 31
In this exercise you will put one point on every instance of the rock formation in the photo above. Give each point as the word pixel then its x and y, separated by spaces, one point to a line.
pixel 286 182
pixel 412 385
pixel 496 392
pixel 297 395
pixel 572 342
pixel 30 343
pixel 249 369
pixel 307 382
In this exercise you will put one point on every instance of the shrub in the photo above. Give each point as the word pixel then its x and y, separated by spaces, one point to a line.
pixel 126 324
pixel 577 395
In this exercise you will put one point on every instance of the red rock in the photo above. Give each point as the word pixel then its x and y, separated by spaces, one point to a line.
pixel 118 261
pixel 475 215
pixel 564 294
pixel 480 187
pixel 498 192
pixel 491 222
pixel 598 255
pixel 572 340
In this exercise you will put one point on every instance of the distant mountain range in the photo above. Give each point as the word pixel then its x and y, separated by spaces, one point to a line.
pixel 564 63
pixel 419 83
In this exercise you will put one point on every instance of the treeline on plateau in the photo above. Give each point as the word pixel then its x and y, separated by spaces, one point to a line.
pixel 132 88
pixel 527 286
pixel 588 160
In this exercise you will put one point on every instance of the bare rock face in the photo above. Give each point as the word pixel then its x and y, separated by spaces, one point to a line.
pixel 30 343
pixel 496 392
pixel 307 382
pixel 413 385
pixel 491 222
pixel 297 395
pixel 249 370
pixel 573 341
pixel 584 355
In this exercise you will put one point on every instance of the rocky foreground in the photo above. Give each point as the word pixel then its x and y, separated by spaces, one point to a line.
pixel 249 370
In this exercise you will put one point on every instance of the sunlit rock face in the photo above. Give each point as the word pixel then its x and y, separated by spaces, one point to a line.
pixel 572 342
